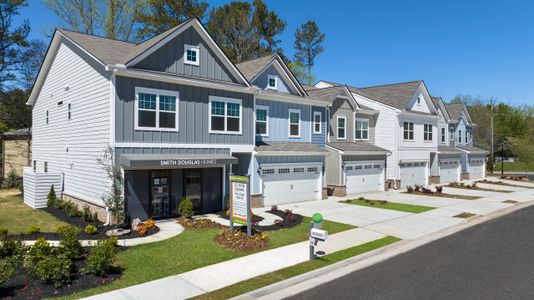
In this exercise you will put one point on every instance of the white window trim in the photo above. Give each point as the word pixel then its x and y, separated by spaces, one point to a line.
pixel 193 48
pixel 443 133
pixel 226 100
pixel 431 132
pixel 318 113
pixel 289 122
pixel 266 108
pixel 157 92
pixel 419 99
pixel 269 77
pixel 356 129
pixel 344 128
pixel 460 137
pixel 412 131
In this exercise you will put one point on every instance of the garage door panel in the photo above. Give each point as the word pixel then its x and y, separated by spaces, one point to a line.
pixel 361 178
pixel 449 171
pixel 477 168
pixel 413 174
pixel 291 184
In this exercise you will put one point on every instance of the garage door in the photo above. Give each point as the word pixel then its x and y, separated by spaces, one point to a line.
pixel 413 173
pixel 364 177
pixel 449 171
pixel 477 168
pixel 287 184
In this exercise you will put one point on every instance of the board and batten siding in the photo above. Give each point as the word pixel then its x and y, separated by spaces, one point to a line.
pixel 386 133
pixel 279 121
pixel 170 59
pixel 193 117
pixel 372 126
pixel 159 150
pixel 282 86
pixel 73 146
pixel 341 107
pixel 319 138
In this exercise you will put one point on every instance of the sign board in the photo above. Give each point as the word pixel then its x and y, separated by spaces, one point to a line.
pixel 240 200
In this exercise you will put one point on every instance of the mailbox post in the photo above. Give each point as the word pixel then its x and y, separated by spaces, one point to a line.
pixel 316 233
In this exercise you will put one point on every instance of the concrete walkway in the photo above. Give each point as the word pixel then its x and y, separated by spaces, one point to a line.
pixel 374 223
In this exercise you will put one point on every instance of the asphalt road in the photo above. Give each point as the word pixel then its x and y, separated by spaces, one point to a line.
pixel 493 260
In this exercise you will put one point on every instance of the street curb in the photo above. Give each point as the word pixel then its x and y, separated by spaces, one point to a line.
pixel 306 281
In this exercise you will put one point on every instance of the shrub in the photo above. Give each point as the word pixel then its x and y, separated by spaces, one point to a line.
pixel 418 188
pixel 55 269
pixel 87 215
pixel 69 243
pixel 474 184
pixel 102 257
pixel 12 181
pixel 409 189
pixel 34 229
pixel 4 231
pixel 72 210
pixel 6 270
pixel 439 189
pixel 13 251
pixel 95 218
pixel 361 198
pixel 186 208
pixel 150 223
pixel 142 229
pixel 274 208
pixel 39 251
pixel 90 229
pixel 51 198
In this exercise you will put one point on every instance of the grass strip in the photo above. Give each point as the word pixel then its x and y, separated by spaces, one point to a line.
pixel 510 202
pixel 464 215
pixel 390 205
pixel 283 274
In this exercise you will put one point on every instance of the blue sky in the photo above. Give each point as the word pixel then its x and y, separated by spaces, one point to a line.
pixel 479 48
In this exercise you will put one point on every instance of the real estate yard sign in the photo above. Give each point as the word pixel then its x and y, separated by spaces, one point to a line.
pixel 240 201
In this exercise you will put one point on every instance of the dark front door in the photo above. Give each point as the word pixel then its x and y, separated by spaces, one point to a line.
pixel 159 204
pixel 193 187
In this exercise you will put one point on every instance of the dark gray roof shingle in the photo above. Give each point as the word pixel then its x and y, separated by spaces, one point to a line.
pixel 357 147
pixel 251 68
pixel 289 147
pixel 397 95
pixel 448 150
pixel 455 110
pixel 473 150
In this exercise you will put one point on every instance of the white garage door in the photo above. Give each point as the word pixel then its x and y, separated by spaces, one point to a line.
pixel 449 171
pixel 364 177
pixel 477 168
pixel 287 184
pixel 413 173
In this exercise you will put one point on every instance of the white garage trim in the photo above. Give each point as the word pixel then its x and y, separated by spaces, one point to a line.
pixel 449 170
pixel 364 176
pixel 413 172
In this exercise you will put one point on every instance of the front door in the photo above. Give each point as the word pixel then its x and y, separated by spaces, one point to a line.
pixel 159 204
pixel 193 188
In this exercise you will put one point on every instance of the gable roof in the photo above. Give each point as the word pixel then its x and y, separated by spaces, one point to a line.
pixel 455 110
pixel 329 94
pixel 397 95
pixel 251 69
pixel 438 102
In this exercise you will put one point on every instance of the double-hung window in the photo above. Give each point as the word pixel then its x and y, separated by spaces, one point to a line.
pixel 156 109
pixel 466 137
pixel 192 55
pixel 427 134
pixel 459 136
pixel 262 120
pixel 408 131
pixel 443 132
pixel 341 125
pixel 317 122
pixel 294 123
pixel 225 115
pixel 272 82
pixel 362 129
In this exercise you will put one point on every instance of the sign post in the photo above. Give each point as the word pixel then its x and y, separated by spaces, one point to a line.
pixel 240 202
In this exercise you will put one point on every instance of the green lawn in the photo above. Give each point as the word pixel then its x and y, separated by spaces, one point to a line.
pixel 267 279
pixel 513 167
pixel 192 249
pixel 17 216
pixel 390 205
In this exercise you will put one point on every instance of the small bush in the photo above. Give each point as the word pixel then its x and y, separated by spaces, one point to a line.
pixel 34 229
pixel 409 189
pixel 6 270
pixel 60 203
pixel 186 208
pixel 418 188
pixel 51 198
pixel 4 231
pixel 55 270
pixel 274 208
pixel 150 223
pixel 12 251
pixel 12 181
pixel 69 242
pixel 87 215
pixel 439 189
pixel 95 218
pixel 90 229
pixel 38 251
pixel 72 210
pixel 474 185
pixel 361 198
pixel 102 257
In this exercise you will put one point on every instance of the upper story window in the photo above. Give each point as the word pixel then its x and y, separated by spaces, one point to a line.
pixel 34 165
pixel 192 55
pixel 452 136
pixel 427 134
pixel 420 98
pixel 443 132
pixel 459 136
pixel 467 137
pixel 362 129
pixel 408 131
pixel 46 117
pixel 68 111
pixel 262 119
pixel 341 122
pixel 317 122
pixel 225 115
pixel 45 167
pixel 156 109
pixel 294 123
pixel 272 82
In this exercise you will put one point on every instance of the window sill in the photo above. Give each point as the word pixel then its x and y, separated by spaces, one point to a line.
pixel 191 63
pixel 156 129
pixel 225 132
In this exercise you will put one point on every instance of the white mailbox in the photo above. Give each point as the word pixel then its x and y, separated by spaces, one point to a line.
pixel 319 234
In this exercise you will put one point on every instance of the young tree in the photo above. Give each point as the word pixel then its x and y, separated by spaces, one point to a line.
pixel 114 199
pixel 78 15
pixel 308 44
pixel 301 72
pixel 523 148
pixel 162 15
pixel 120 18
pixel 12 40
pixel 33 56
pixel 269 26
pixel 14 113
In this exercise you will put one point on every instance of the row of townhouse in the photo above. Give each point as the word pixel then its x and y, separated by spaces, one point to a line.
pixel 180 117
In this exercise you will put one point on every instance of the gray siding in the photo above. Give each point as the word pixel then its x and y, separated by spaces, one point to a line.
pixel 193 115
pixel 319 138
pixel 341 107
pixel 333 168
pixel 170 58
pixel 279 121
pixel 283 85
pixel 157 150
pixel 372 125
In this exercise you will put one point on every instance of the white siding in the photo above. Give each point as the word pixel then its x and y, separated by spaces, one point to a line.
pixel 386 133
pixel 37 186
pixel 85 136
pixel 425 105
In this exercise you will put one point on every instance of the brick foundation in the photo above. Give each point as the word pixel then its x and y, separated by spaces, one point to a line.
pixel 256 200
pixel 337 190
pixel 465 176
pixel 434 179
pixel 325 193
pixel 99 209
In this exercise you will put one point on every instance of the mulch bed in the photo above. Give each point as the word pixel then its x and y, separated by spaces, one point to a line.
pixel 287 222
pixel 80 223
pixel 224 214
pixel 22 285
pixel 198 223
pixel 515 178
pixel 500 183
pixel 474 187
pixel 444 195
pixel 239 240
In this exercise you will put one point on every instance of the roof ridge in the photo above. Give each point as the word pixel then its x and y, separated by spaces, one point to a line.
pixel 390 84
pixel 254 59
pixel 96 36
